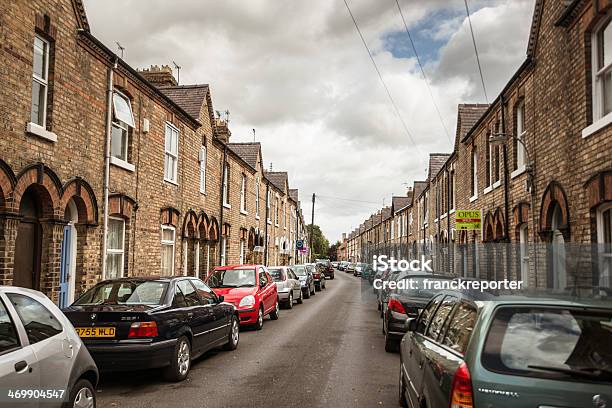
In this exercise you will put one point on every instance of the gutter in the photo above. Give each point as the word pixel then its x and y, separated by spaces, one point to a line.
pixel 107 150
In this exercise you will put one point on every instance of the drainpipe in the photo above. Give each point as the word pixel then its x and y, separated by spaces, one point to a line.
pixel 107 150
pixel 506 238
pixel 223 170
pixel 266 222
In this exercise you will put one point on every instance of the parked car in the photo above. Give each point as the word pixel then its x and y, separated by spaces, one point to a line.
pixel 318 274
pixel 304 274
pixel 39 349
pixel 287 285
pixel 342 265
pixel 382 294
pixel 335 264
pixel 250 289
pixel 326 267
pixel 142 323
pixel 350 268
pixel 367 272
pixel 359 268
pixel 405 303
pixel 530 350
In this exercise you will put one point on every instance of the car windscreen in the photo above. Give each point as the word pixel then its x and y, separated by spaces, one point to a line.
pixel 299 270
pixel 310 268
pixel 232 278
pixel 124 293
pixel 550 342
pixel 276 274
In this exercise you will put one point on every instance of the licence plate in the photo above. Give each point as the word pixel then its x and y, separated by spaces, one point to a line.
pixel 95 331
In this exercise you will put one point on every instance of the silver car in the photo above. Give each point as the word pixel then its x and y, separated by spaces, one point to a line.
pixel 287 285
pixel 42 360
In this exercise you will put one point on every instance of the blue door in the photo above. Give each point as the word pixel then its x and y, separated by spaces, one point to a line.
pixel 65 266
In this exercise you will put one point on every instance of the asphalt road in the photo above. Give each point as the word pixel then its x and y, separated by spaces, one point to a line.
pixel 327 352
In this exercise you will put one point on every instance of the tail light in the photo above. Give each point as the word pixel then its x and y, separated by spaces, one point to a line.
pixel 396 306
pixel 461 392
pixel 143 329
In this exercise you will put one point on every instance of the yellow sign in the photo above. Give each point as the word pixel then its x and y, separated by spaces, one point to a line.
pixel 466 220
pixel 95 331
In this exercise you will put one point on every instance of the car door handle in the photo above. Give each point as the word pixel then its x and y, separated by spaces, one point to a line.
pixel 421 364
pixel 20 366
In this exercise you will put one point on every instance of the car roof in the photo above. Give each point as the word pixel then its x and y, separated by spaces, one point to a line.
pixel 146 278
pixel 243 266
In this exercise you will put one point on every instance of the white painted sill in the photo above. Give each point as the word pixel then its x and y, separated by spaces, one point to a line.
pixel 518 171
pixel 171 181
pixel 492 187
pixel 228 206
pixel 243 212
pixel 444 216
pixel 597 125
pixel 115 161
pixel 256 217
pixel 451 211
pixel 41 132
pixel 473 198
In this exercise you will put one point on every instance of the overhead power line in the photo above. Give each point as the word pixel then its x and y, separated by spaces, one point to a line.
pixel 347 199
pixel 433 100
pixel 397 112
pixel 484 88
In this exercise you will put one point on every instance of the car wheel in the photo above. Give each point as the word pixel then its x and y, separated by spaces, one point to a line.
pixel 402 390
pixel 276 313
pixel 234 335
pixel 377 305
pixel 307 295
pixel 181 361
pixel 290 301
pixel 260 318
pixel 390 344
pixel 314 290
pixel 300 299
pixel 82 395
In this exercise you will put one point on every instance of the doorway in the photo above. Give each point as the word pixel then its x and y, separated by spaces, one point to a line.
pixel 68 256
pixel 28 243
pixel 558 250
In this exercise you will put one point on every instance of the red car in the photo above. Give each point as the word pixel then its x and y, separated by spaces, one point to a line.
pixel 250 288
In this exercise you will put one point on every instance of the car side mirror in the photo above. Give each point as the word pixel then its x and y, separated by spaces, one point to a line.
pixel 220 298
pixel 411 324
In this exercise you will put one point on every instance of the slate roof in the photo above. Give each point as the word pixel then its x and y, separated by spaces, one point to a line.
pixel 293 194
pixel 386 213
pixel 248 152
pixel 467 116
pixel 79 10
pixel 436 161
pixel 397 203
pixel 419 186
pixel 277 178
pixel 190 98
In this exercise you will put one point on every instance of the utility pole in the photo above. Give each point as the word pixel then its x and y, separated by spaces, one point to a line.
pixel 312 228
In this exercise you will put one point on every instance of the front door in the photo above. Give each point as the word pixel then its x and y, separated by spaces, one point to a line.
pixel 65 267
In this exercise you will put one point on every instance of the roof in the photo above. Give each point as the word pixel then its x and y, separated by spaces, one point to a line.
pixel 277 178
pixel 397 203
pixel 436 161
pixel 79 10
pixel 467 116
pixel 386 213
pixel 190 98
pixel 293 194
pixel 419 186
pixel 249 152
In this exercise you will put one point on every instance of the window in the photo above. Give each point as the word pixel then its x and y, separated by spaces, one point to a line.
pixel 39 323
pixel 115 248
pixel 123 120
pixel 604 240
pixel 257 196
pixel 520 136
pixel 426 314
pixel 241 251
pixel 263 278
pixel 40 85
pixel 243 193
pixel 268 199
pixel 207 297
pixel 451 191
pixel 223 249
pixel 602 71
pixel 474 172
pixel 524 260
pixel 439 319
pixel 460 328
pixel 276 211
pixel 167 250
pixel 189 293
pixel 171 157
pixel 8 333
pixel 226 170
pixel 202 169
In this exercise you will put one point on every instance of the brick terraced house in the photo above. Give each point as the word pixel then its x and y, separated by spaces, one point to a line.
pixel 537 162
pixel 93 148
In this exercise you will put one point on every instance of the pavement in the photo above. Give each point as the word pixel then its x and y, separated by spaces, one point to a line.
pixel 327 352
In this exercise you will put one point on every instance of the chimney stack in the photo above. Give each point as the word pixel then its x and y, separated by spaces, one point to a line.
pixel 158 76
pixel 222 131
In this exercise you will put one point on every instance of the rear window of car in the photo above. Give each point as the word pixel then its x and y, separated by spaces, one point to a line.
pixel 300 271
pixel 276 274
pixel 124 293
pixel 550 343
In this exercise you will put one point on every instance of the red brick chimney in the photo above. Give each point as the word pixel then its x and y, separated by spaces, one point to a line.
pixel 222 131
pixel 158 76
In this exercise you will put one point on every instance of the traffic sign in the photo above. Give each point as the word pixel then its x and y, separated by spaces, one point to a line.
pixel 299 244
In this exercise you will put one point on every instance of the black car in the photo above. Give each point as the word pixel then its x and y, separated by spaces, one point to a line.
pixel 405 303
pixel 142 323
pixel 327 268
pixel 318 273
pixel 382 295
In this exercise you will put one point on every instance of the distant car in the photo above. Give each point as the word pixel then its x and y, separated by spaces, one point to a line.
pixel 342 265
pixel 405 303
pixel 318 273
pixel 326 267
pixel 350 268
pixel 40 350
pixel 304 274
pixel 335 264
pixel 250 289
pixel 524 350
pixel 359 268
pixel 287 285
pixel 142 323
pixel 383 293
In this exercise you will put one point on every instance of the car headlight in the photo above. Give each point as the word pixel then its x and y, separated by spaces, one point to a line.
pixel 247 301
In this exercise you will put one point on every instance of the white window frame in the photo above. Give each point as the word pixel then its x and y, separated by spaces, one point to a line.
pixel 169 243
pixel 42 81
pixel 243 186
pixel 604 280
pixel 524 254
pixel 169 154
pixel 276 209
pixel 257 197
pixel 520 136
pixel 226 170
pixel 269 207
pixel 223 249
pixel 202 161
pixel 241 252
pixel 117 251
pixel 474 174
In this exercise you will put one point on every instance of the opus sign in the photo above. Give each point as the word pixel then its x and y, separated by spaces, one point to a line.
pixel 468 220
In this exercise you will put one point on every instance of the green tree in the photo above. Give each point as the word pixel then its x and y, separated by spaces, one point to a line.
pixel 333 251
pixel 320 244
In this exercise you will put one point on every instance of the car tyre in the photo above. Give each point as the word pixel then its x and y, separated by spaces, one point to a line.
pixel 301 298
pixel 290 301
pixel 82 394
pixel 307 295
pixel 391 345
pixel 402 390
pixel 276 312
pixel 260 318
pixel 181 361
pixel 233 336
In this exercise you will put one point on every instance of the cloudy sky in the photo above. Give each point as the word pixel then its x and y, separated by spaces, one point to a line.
pixel 297 72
